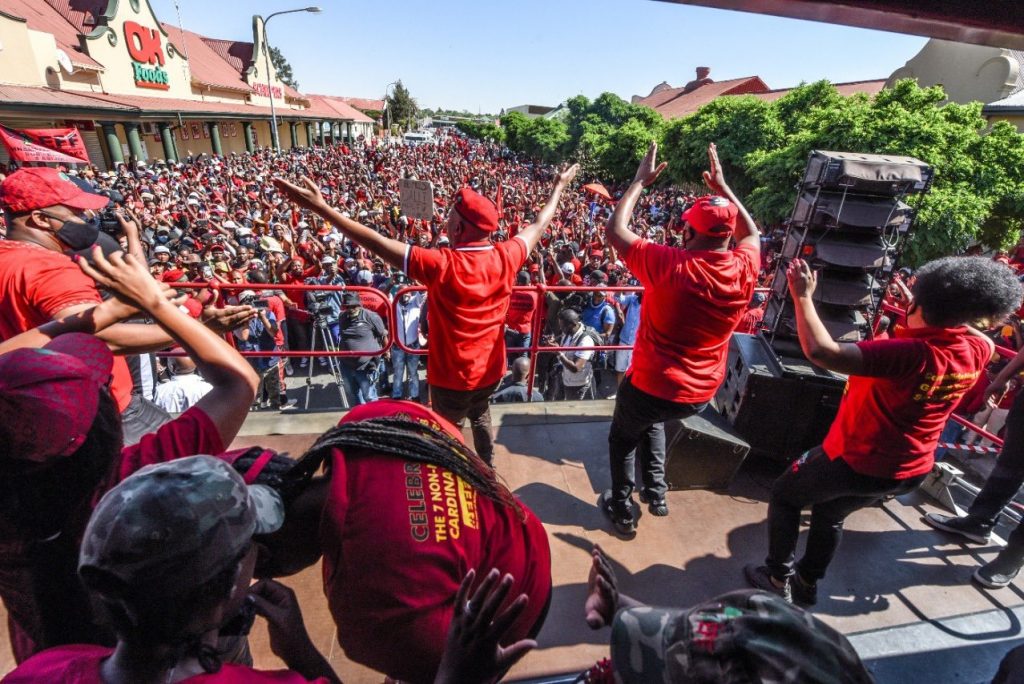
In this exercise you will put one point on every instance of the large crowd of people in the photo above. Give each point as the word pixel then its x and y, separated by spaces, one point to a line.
pixel 138 548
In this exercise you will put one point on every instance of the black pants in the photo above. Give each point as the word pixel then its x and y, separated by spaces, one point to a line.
pixel 833 490
pixel 639 421
pixel 1007 477
pixel 457 405
pixel 140 418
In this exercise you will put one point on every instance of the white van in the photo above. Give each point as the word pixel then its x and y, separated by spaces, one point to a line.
pixel 418 138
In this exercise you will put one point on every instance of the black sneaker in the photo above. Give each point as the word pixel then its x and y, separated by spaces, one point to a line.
pixel 965 526
pixel 759 578
pixel 804 593
pixel 658 507
pixel 997 574
pixel 620 513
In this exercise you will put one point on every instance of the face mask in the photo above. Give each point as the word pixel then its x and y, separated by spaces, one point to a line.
pixel 79 234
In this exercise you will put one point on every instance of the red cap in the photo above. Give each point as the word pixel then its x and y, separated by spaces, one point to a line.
pixel 394 408
pixel 34 188
pixel 477 209
pixel 712 215
pixel 49 396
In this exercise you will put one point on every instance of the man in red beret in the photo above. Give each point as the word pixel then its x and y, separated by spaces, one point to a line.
pixel 693 300
pixel 468 286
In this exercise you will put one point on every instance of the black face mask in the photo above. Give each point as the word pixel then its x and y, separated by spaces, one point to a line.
pixel 79 234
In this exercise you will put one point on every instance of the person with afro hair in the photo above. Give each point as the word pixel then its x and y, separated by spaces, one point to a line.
pixel 900 394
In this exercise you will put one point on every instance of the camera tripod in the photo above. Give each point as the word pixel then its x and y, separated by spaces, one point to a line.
pixel 322 332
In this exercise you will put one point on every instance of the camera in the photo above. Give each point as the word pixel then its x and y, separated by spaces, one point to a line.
pixel 108 219
pixel 321 304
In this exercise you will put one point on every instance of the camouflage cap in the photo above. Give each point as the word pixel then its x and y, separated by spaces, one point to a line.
pixel 744 636
pixel 177 524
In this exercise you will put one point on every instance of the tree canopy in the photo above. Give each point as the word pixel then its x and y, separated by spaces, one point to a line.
pixel 401 106
pixel 978 193
pixel 283 68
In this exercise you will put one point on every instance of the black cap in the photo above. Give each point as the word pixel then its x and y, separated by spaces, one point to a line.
pixel 350 299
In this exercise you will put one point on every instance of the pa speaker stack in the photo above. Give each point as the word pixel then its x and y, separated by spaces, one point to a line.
pixel 850 224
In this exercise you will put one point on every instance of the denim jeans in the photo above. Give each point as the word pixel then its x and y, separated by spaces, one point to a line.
pixel 639 421
pixel 517 339
pixel 833 490
pixel 405 365
pixel 1008 475
pixel 362 385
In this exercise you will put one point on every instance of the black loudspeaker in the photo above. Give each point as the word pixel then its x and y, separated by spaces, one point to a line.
pixel 702 451
pixel 781 405
pixel 850 223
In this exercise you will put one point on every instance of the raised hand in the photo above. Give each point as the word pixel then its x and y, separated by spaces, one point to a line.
pixel 472 652
pixel 307 194
pixel 801 279
pixel 602 591
pixel 228 318
pixel 713 177
pixel 649 169
pixel 566 175
pixel 126 277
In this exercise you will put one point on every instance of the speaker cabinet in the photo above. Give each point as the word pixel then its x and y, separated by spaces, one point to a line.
pixel 702 451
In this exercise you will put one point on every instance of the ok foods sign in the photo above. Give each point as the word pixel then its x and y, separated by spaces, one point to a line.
pixel 147 56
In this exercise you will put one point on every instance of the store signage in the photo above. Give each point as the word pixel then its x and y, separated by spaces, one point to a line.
pixel 147 56
pixel 266 91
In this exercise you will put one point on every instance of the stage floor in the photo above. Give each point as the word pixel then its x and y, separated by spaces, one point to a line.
pixel 896 587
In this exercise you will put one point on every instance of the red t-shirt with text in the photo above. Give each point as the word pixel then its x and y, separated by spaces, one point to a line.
pixel 892 414
pixel 693 301
pixel 398 536
pixel 80 664
pixel 522 306
pixel 36 284
pixel 468 289
pixel 189 434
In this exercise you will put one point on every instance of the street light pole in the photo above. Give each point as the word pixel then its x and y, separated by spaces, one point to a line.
pixel 270 84
pixel 387 117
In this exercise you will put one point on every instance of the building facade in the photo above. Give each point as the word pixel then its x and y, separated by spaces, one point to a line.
pixel 139 89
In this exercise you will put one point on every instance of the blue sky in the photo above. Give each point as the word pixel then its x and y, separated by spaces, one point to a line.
pixel 483 55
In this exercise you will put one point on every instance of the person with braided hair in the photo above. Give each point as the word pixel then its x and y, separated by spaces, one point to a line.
pixel 402 510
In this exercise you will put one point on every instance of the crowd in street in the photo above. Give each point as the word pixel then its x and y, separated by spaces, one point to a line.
pixel 137 547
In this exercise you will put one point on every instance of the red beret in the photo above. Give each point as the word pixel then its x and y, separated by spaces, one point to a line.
pixel 476 209
pixel 712 215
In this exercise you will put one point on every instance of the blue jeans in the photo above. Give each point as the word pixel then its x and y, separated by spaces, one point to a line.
pixel 951 433
pixel 405 365
pixel 364 388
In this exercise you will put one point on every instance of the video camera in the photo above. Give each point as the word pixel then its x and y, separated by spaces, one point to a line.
pixel 108 218
pixel 321 304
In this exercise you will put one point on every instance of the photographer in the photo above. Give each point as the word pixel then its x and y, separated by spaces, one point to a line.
pixel 360 330
pixel 259 335
pixel 326 304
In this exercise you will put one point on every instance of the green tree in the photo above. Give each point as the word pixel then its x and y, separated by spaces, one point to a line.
pixel 482 130
pixel 401 106
pixel 283 68
pixel 609 136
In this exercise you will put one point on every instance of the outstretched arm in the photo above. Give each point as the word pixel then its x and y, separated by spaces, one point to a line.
pixel 619 235
pixel 746 231
pixel 531 235
pixel 308 195
pixel 815 341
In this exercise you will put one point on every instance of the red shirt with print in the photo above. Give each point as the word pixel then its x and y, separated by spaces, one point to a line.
pixel 468 289
pixel 892 414
pixel 693 301
pixel 189 434
pixel 398 536
pixel 36 284
pixel 80 664
pixel 520 311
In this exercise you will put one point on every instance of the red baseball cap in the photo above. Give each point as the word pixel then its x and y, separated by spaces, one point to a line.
pixel 49 396
pixel 477 209
pixel 712 215
pixel 36 187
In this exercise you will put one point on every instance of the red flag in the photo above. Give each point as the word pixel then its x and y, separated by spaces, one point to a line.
pixel 47 145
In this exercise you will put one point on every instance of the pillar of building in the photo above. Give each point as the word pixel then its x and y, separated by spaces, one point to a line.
pixel 247 130
pixel 167 138
pixel 293 129
pixel 309 134
pixel 131 131
pixel 320 130
pixel 348 133
pixel 113 144
pixel 215 138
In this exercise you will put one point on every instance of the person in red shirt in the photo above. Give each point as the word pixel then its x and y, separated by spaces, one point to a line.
pixel 406 508
pixel 48 217
pixel 519 319
pixel 60 432
pixel 693 300
pixel 468 287
pixel 899 396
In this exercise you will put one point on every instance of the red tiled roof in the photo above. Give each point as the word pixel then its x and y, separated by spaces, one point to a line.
pixel 363 103
pixel 163 104
pixel 207 66
pixel 239 55
pixel 339 107
pixel 845 89
pixel 58 19
pixel 684 104
pixel 55 98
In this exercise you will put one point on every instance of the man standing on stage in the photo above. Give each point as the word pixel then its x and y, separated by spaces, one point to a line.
pixel 900 394
pixel 693 300
pixel 468 288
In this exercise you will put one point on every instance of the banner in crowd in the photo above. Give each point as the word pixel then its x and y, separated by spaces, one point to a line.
pixel 46 145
